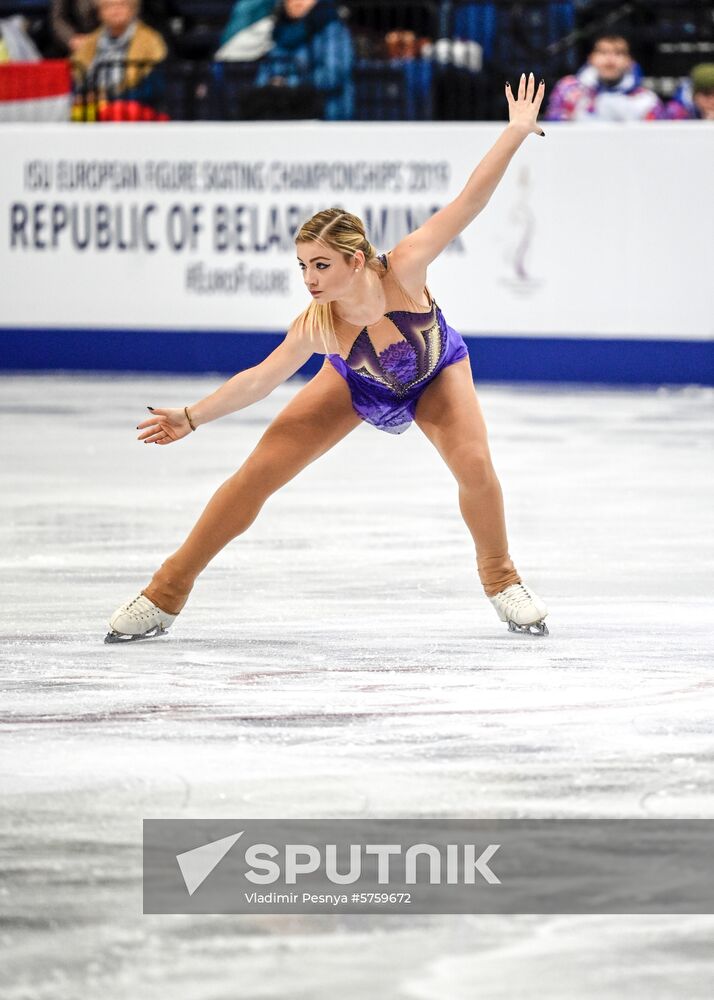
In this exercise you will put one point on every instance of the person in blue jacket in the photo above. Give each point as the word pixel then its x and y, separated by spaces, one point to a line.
pixel 312 46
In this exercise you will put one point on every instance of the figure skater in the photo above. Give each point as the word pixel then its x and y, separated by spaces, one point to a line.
pixel 390 359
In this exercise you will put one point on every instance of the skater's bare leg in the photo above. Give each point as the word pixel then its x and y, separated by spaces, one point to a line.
pixel 448 412
pixel 318 416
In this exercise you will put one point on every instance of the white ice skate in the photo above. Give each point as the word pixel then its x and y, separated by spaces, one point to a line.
pixel 522 609
pixel 138 619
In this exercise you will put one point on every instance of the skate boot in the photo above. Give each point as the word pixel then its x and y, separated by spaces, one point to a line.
pixel 138 619
pixel 522 609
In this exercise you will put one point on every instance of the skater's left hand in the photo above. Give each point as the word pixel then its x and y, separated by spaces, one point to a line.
pixel 164 427
pixel 523 109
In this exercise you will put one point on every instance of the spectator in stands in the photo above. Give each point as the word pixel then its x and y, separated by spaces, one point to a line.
pixel 694 99
pixel 607 88
pixel 311 46
pixel 121 37
pixel 71 22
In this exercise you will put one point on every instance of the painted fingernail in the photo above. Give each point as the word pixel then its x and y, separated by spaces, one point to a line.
pixel 150 408
pixel 508 84
pixel 542 133
pixel 542 83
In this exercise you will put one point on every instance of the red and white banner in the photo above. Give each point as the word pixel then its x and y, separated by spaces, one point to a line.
pixel 35 91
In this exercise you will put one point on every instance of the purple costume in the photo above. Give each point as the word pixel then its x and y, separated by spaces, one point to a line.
pixel 386 386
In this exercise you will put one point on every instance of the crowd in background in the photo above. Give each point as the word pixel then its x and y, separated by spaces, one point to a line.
pixel 303 57
pixel 608 87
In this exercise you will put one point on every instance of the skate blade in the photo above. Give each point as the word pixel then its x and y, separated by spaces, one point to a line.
pixel 113 636
pixel 535 628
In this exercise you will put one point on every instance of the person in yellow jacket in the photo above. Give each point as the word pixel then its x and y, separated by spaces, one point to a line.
pixel 121 38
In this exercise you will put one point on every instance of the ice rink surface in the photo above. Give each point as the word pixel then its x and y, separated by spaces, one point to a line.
pixel 339 659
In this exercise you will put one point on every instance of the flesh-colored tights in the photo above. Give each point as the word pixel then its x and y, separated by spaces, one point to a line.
pixel 319 416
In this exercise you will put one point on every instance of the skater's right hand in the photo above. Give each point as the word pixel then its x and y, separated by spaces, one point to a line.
pixel 164 427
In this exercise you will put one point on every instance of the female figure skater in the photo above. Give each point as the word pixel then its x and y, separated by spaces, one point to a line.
pixel 390 358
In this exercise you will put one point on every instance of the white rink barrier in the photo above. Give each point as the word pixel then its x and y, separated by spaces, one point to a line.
pixel 596 233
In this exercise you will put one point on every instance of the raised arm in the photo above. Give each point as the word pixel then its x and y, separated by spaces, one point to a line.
pixel 168 425
pixel 415 252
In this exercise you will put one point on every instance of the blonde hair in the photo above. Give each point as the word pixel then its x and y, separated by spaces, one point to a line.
pixel 345 233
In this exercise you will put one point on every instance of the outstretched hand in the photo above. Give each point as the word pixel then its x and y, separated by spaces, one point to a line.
pixel 164 426
pixel 523 109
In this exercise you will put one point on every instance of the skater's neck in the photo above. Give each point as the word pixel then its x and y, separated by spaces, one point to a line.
pixel 365 303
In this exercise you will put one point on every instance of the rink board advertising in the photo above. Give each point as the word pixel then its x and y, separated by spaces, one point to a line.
pixel 152 246
pixel 192 227
pixel 428 866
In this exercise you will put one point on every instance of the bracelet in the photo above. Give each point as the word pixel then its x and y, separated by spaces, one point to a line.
pixel 188 417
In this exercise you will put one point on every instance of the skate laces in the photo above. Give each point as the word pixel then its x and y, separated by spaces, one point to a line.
pixel 516 595
pixel 137 608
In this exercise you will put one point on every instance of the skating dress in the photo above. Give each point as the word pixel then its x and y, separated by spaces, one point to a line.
pixel 386 386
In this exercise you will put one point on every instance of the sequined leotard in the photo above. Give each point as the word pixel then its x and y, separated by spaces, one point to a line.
pixel 386 386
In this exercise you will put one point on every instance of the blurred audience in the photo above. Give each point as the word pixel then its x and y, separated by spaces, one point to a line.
pixel 249 32
pixel 607 88
pixel 312 49
pixel 71 23
pixel 299 57
pixel 121 36
pixel 694 99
